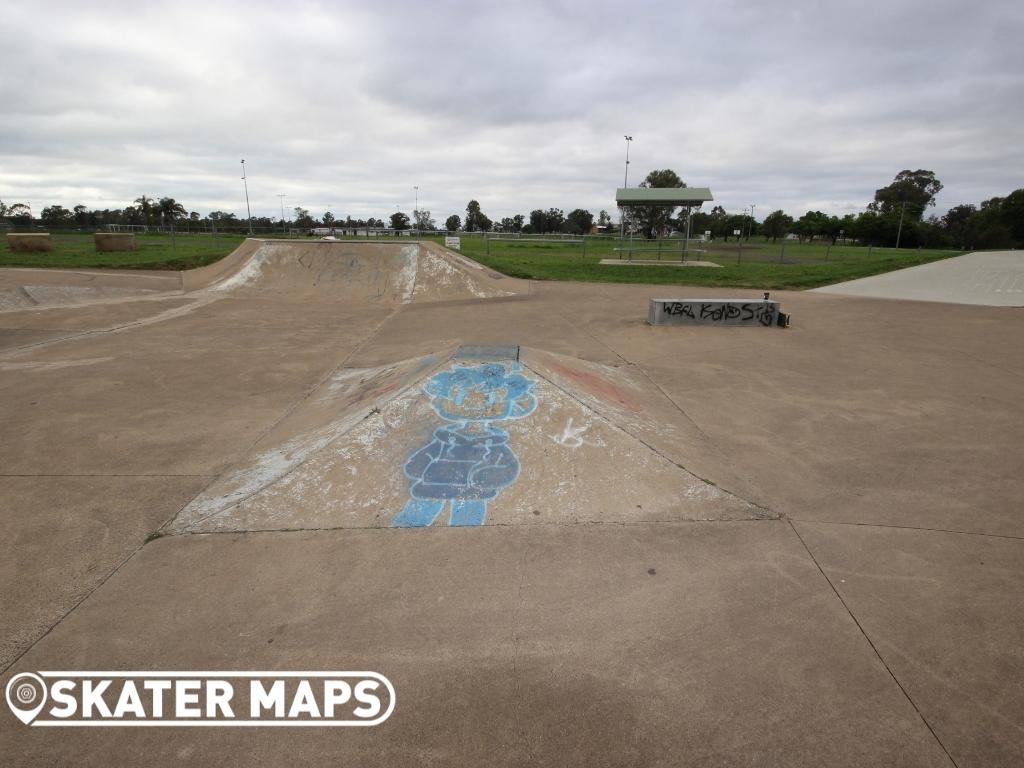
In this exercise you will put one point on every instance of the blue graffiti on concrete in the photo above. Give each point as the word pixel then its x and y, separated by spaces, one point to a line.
pixel 467 463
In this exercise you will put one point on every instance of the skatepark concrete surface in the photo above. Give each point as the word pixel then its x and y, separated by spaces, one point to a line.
pixel 990 278
pixel 700 545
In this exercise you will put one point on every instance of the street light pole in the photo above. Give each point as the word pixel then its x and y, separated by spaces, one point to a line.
pixel 750 224
pixel 282 196
pixel 248 210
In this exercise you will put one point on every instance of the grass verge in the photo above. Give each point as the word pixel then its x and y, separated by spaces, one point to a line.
pixel 154 252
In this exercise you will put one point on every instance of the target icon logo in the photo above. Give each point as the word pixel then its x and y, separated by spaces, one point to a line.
pixel 26 696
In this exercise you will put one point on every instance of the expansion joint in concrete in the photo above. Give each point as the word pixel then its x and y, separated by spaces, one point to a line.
pixel 923 529
pixel 871 644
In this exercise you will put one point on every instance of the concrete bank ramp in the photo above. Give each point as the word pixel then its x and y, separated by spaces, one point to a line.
pixel 306 270
pixel 994 278
pixel 391 273
pixel 528 439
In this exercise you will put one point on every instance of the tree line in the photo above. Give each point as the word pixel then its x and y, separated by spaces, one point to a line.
pixel 896 215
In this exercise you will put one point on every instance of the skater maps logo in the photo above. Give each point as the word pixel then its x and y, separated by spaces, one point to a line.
pixel 240 699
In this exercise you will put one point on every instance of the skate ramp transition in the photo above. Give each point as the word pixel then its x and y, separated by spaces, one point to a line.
pixel 29 288
pixel 338 271
pixel 454 438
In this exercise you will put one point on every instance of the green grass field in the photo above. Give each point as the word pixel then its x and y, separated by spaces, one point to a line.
pixel 154 252
pixel 756 265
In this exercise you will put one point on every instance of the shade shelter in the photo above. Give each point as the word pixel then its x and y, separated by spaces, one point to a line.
pixel 642 197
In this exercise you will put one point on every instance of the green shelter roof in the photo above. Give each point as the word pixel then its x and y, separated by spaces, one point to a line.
pixel 662 195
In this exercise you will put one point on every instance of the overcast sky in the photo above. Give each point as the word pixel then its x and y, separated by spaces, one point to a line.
pixel 794 105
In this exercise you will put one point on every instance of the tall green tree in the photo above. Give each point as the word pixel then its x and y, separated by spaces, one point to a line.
pixel 55 215
pixel 145 209
pixel 20 213
pixel 476 220
pixel 399 220
pixel 653 220
pixel 959 224
pixel 910 192
pixel 170 209
pixel 551 220
pixel 776 224
pixel 579 222
pixel 453 223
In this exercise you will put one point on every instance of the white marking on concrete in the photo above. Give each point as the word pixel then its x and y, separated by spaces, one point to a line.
pixel 249 274
pixel 52 366
pixel 571 436
pixel 407 274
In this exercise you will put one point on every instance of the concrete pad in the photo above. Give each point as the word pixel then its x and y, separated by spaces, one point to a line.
pixel 144 416
pixel 991 278
pixel 95 315
pixel 22 288
pixel 623 623
pixel 11 338
pixel 709 644
pixel 61 536
pixel 943 610
pixel 898 413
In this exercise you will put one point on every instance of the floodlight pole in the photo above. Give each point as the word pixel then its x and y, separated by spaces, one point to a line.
pixel 416 208
pixel 248 210
pixel 625 183
pixel 750 225
pixel 625 180
pixel 899 231
pixel 282 196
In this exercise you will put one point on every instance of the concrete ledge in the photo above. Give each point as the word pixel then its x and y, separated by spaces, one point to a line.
pixel 762 312
pixel 35 241
pixel 115 241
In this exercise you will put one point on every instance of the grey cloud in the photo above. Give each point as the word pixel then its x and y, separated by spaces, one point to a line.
pixel 789 104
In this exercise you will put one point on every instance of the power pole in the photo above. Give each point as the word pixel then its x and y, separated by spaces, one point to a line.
pixel 247 209
pixel 899 231
pixel 282 196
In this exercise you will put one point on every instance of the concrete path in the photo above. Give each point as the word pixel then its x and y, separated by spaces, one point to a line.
pixel 992 278
pixel 718 546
